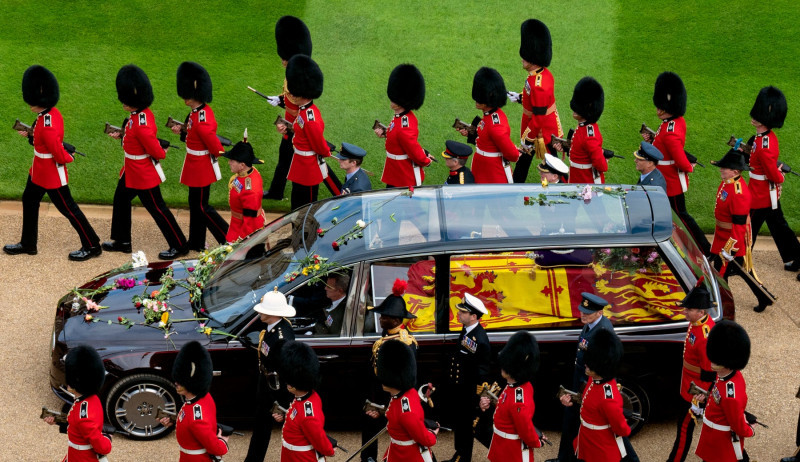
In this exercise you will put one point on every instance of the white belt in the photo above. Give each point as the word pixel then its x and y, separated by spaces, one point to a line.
pixel 193 452
pixel 666 162
pixel 43 155
pixel 403 443
pixel 305 153
pixel 196 153
pixel 508 436
pixel 684 184
pixel 293 447
pixel 722 428
pixel 80 447
pixel 136 157
pixel 594 427
pixel 396 157
pixel 580 166
pixel 489 154
pixel 756 176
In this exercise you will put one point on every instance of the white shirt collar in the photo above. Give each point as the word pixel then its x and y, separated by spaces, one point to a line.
pixel 334 304
pixel 469 329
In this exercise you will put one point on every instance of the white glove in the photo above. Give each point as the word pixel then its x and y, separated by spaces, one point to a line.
pixel 514 97
pixel 726 255
pixel 274 100
pixel 697 410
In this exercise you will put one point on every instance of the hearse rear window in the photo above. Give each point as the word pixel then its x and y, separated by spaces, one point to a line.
pixel 541 288
pixel 498 212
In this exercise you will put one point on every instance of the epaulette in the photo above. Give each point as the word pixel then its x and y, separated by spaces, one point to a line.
pixel 671 126
pixel 248 184
pixel 519 396
pixel 201 116
pixel 590 131
pixel 495 119
pixel 706 330
pixel 310 114
pixel 198 412
pixel 730 390
pixel 309 409
pixel 608 391
pixel 737 186
pixel 142 119
pixel 48 120
pixel 84 410
pixel 404 121
pixel 405 406
pixel 765 142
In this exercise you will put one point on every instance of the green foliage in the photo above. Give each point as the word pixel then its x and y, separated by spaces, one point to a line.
pixel 725 52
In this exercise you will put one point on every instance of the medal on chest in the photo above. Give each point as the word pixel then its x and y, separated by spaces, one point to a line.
pixel 264 349
pixel 715 395
pixel 293 414
pixel 692 338
pixel 583 344
pixel 189 125
pixel 237 185
pixel 723 195
pixel 470 344
pixel 329 321
pixel 181 415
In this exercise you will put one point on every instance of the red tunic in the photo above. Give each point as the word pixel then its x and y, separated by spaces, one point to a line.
pixel 539 97
pixel 670 140
pixel 85 425
pixel 732 213
pixel 406 427
pixel 494 149
pixel 303 433
pixel 602 407
pixel 727 401
pixel 309 144
pixel 201 143
pixel 244 198
pixel 694 354
pixel 196 430
pixel 50 158
pixel 404 156
pixel 141 148
pixel 586 155
pixel 764 170
pixel 513 422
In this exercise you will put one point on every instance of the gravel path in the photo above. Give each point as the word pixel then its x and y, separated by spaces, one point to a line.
pixel 32 285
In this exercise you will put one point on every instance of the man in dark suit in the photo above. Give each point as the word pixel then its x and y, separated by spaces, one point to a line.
pixel 591 309
pixel 350 159
pixel 646 159
pixel 330 318
pixel 469 368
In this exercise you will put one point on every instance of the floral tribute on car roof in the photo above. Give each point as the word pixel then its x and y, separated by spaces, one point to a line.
pixel 585 193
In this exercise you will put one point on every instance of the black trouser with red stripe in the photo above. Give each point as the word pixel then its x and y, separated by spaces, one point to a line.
pixel 154 203
pixel 203 216
pixel 683 438
pixel 678 204
pixel 782 234
pixel 302 194
pixel 62 199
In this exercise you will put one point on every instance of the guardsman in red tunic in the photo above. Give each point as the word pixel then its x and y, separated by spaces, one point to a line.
pixel 405 158
pixel 308 169
pixel 539 114
pixel 724 423
pixel 199 438
pixel 48 174
pixel 587 164
pixel 732 238
pixel 766 178
pixel 200 167
pixel 141 174
pixel 603 426
pixel 515 437
pixel 303 435
pixel 696 366
pixel 245 191
pixel 85 375
pixel 669 97
pixel 410 439
pixel 495 151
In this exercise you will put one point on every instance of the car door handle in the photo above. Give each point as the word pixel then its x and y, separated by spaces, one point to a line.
pixel 328 357
pixel 216 373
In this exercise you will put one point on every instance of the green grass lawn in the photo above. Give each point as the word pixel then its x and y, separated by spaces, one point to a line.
pixel 724 51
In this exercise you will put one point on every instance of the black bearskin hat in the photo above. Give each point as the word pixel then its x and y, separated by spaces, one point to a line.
pixel 194 82
pixel 192 368
pixel 84 370
pixel 489 88
pixel 588 99
pixel 604 354
pixel 520 357
pixel 39 87
pixel 406 87
pixel 536 46
pixel 304 77
pixel 728 345
pixel 770 107
pixel 292 37
pixel 397 365
pixel 670 94
pixel 133 87
pixel 299 366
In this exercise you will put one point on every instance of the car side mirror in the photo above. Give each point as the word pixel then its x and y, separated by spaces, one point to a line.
pixel 250 339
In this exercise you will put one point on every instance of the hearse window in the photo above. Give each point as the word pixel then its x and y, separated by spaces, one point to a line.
pixel 420 294
pixel 316 313
pixel 497 212
pixel 541 288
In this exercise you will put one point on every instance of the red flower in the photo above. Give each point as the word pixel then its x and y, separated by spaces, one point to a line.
pixel 335 245
pixel 119 318
pixel 635 250
pixel 87 317
pixel 191 268
pixel 410 190
pixel 199 284
pixel 526 198
pixel 320 232
pixel 138 304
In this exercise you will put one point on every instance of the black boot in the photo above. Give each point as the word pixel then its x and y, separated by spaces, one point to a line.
pixel 85 253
